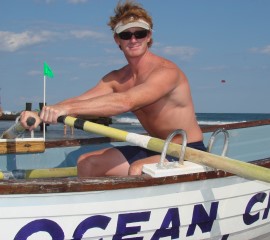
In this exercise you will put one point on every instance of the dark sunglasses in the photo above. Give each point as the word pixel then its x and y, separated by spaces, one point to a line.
pixel 137 34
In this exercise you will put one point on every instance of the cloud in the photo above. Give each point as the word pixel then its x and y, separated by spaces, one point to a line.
pixel 183 52
pixel 10 41
pixel 87 34
pixel 77 1
pixel 263 50
pixel 45 1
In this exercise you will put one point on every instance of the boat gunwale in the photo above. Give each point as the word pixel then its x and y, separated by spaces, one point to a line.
pixel 75 184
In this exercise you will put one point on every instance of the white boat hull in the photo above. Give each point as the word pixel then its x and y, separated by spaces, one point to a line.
pixel 231 208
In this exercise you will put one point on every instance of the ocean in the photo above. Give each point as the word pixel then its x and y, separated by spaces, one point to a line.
pixel 128 122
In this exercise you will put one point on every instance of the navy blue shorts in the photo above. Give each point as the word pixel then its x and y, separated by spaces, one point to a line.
pixel 134 153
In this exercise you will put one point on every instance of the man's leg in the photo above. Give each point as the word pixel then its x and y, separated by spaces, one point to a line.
pixel 104 162
pixel 136 167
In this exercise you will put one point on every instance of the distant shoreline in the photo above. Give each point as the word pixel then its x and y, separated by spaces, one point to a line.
pixel 9 117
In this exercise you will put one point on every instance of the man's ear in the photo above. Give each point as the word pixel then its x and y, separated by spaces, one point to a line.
pixel 117 41
pixel 149 36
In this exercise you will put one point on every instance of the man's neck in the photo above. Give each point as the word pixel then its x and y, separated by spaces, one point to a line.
pixel 138 64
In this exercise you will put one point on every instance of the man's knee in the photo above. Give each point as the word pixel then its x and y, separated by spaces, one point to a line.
pixel 135 169
pixel 85 165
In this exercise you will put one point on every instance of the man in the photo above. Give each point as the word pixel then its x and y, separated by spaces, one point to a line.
pixel 151 87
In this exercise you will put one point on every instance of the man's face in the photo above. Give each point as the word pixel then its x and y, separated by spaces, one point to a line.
pixel 133 41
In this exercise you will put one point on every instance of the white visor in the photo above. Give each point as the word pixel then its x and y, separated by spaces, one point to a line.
pixel 120 27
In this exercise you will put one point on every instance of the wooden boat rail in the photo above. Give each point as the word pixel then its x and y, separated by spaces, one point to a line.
pixel 256 123
pixel 60 185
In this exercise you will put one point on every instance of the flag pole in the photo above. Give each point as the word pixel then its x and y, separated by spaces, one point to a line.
pixel 47 72
pixel 44 102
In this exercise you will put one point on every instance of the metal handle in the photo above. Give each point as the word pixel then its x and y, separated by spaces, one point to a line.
pixel 166 145
pixel 226 141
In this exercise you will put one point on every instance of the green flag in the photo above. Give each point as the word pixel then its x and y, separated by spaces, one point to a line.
pixel 47 71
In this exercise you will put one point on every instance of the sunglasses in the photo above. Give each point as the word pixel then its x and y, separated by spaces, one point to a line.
pixel 137 34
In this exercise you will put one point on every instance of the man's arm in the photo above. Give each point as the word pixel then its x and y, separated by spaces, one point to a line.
pixel 108 103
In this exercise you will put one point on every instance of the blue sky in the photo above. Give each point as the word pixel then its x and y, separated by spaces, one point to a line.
pixel 210 40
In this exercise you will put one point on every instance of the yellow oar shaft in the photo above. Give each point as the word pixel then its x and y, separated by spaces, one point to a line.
pixel 51 172
pixel 237 167
pixel 94 128
pixel 39 173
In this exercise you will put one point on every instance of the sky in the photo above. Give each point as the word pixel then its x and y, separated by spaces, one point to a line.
pixel 210 40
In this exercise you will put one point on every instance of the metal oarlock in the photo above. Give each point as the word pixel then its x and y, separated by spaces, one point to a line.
pixel 162 164
pixel 213 138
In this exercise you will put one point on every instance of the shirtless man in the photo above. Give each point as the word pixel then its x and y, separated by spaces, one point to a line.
pixel 151 87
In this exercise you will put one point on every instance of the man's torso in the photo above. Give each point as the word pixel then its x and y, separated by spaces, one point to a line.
pixel 172 111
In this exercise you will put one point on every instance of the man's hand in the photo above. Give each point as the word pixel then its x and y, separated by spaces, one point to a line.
pixel 27 114
pixel 49 114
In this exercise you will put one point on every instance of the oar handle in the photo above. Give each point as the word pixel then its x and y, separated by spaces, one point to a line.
pixel 30 121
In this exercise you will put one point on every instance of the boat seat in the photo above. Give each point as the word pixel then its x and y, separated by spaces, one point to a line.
pixel 22 145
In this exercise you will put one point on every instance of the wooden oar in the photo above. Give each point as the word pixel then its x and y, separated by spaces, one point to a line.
pixel 237 167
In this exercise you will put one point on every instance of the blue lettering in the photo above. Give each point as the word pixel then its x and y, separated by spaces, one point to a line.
pixel 42 225
pixel 97 221
pixel 123 219
pixel 266 211
pixel 247 217
pixel 202 219
pixel 171 217
pixel 170 226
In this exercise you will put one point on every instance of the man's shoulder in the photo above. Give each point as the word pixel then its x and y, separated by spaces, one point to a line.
pixel 164 68
pixel 167 67
pixel 163 63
